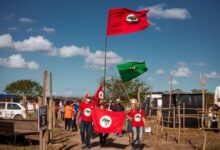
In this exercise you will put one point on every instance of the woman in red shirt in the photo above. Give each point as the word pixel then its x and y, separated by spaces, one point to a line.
pixel 137 123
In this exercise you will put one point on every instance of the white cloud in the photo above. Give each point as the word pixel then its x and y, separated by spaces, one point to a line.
pixel 5 41
pixel 70 51
pixel 17 61
pixel 26 20
pixel 180 63
pixel 174 82
pixel 156 27
pixel 182 71
pixel 159 11
pixel 160 72
pixel 96 60
pixel 12 28
pixel 213 75
pixel 37 43
pixel 48 29
pixel 29 30
pixel 199 64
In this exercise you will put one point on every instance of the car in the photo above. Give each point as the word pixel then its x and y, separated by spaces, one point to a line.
pixel 12 110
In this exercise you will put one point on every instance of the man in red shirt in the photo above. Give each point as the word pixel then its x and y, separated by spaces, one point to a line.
pixel 137 122
pixel 85 110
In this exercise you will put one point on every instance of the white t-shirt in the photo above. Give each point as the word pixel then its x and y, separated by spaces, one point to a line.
pixel 217 96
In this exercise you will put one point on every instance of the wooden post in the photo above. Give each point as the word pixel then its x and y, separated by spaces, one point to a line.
pixel 40 103
pixel 204 142
pixel 139 92
pixel 150 101
pixel 202 80
pixel 50 111
pixel 45 133
pixel 179 124
pixel 184 117
pixel 174 117
pixel 54 117
pixel 171 79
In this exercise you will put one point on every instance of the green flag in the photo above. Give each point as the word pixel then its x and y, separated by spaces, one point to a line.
pixel 131 70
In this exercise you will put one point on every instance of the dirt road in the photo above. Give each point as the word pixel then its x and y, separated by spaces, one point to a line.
pixel 191 139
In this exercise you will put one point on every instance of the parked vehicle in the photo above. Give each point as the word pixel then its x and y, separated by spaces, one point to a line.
pixel 11 110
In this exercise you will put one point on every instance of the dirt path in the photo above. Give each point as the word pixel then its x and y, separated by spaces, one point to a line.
pixel 67 140
pixel 191 139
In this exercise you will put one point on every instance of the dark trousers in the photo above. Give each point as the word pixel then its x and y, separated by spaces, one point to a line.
pixel 103 137
pixel 74 126
pixel 85 127
pixel 67 123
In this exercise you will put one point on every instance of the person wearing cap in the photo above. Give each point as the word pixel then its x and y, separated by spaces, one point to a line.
pixel 129 126
pixel 85 110
pixel 137 122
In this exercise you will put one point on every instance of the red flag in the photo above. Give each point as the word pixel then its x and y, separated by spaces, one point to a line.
pixel 123 21
pixel 98 95
pixel 108 121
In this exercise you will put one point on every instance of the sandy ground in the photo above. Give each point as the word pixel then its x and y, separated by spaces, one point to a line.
pixel 191 139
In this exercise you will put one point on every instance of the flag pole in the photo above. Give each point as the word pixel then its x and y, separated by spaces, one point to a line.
pixel 104 86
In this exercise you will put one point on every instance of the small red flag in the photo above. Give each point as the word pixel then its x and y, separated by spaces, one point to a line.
pixel 123 21
pixel 107 121
pixel 98 95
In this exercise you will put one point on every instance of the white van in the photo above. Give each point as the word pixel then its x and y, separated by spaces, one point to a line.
pixel 11 110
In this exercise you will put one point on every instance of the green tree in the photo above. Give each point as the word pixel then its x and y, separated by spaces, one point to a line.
pixel 194 91
pixel 115 88
pixel 177 91
pixel 24 88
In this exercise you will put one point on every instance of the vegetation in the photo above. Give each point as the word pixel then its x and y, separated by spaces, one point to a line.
pixel 24 88
pixel 116 89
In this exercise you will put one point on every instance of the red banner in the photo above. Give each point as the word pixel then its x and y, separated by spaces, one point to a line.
pixel 123 21
pixel 98 95
pixel 107 121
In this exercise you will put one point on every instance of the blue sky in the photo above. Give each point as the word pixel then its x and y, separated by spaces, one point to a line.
pixel 67 38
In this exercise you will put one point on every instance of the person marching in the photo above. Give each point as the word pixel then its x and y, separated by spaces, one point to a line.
pixel 85 110
pixel 102 136
pixel 137 122
pixel 129 126
pixel 68 115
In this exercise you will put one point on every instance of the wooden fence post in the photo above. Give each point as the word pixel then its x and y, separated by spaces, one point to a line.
pixel 179 124
pixel 174 117
pixel 45 133
pixel 50 110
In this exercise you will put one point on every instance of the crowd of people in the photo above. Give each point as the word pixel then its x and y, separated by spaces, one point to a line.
pixel 77 117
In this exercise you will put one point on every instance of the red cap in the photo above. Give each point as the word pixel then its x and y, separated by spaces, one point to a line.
pixel 87 95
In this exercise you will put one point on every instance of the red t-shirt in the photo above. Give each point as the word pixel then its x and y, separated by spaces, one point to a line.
pixel 86 110
pixel 136 117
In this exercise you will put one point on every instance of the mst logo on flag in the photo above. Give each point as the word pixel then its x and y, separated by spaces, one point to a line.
pixel 132 18
pixel 87 112
pixel 124 20
pixel 107 121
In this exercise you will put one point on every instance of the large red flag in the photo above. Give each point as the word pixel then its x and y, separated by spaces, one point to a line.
pixel 98 95
pixel 107 121
pixel 123 21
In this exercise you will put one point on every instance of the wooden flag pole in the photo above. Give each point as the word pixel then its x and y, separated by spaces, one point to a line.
pixel 171 79
pixel 104 86
pixel 202 80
